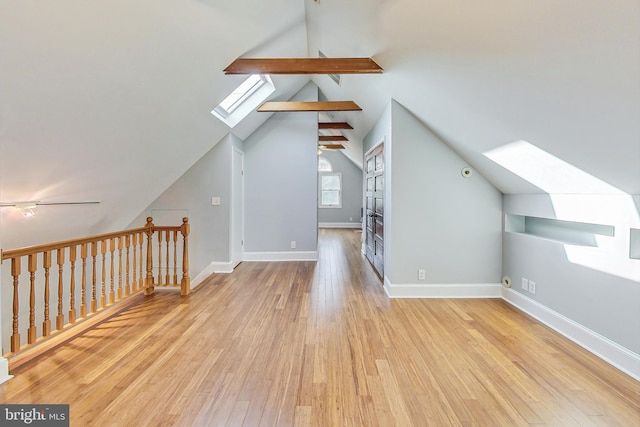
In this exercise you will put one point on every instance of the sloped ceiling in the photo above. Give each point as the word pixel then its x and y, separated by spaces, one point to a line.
pixel 564 76
pixel 110 100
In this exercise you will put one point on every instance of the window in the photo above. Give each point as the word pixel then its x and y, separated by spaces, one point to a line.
pixel 244 99
pixel 330 190
pixel 324 165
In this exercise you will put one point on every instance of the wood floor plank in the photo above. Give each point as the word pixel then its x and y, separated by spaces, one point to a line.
pixel 320 344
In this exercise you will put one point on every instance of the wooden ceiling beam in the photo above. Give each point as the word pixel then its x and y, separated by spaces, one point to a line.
pixel 327 138
pixel 303 66
pixel 334 125
pixel 292 106
pixel 332 147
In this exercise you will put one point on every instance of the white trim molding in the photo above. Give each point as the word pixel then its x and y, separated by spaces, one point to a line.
pixel 223 267
pixel 447 290
pixel 339 225
pixel 208 271
pixel 609 351
pixel 281 256
pixel 4 370
pixel 214 267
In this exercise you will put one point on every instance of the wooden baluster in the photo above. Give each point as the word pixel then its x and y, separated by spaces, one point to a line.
pixel 15 273
pixel 175 257
pixel 46 323
pixel 134 244
pixel 185 284
pixel 112 294
pixel 60 316
pixel 94 254
pixel 72 284
pixel 83 297
pixel 103 283
pixel 160 257
pixel 167 273
pixel 141 264
pixel 128 266
pixel 32 267
pixel 120 268
pixel 148 285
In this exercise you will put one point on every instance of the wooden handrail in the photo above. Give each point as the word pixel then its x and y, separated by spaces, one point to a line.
pixel 13 253
pixel 119 269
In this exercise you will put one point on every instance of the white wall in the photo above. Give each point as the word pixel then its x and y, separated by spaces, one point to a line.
pixel 4 367
pixel 351 192
pixel 191 196
pixel 281 184
pixel 435 219
pixel 596 286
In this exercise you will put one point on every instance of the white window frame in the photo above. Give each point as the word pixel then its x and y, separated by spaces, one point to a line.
pixel 320 190
pixel 244 99
pixel 322 159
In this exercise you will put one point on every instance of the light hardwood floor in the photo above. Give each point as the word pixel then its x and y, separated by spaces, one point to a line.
pixel 305 343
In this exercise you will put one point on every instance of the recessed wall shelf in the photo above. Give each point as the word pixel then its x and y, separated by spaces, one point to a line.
pixel 634 243
pixel 569 232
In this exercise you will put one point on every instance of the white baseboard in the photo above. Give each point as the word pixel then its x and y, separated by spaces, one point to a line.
pixel 612 353
pixel 208 271
pixel 223 267
pixel 214 267
pixel 4 370
pixel 281 256
pixel 339 225
pixel 452 290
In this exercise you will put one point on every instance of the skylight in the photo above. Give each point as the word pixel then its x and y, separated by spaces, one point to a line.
pixel 245 98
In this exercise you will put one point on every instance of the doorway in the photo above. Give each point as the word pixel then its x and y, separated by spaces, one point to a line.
pixel 374 202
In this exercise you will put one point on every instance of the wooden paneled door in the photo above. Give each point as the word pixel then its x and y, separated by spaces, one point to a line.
pixel 374 236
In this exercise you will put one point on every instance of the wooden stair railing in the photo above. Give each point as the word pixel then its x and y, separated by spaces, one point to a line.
pixel 123 261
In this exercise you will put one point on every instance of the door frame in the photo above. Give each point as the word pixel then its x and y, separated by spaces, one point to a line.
pixel 236 218
pixel 363 249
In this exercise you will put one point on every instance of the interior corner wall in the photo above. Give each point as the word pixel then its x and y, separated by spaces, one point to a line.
pixel 280 182
pixel 191 195
pixel 444 223
pixel 435 219
pixel 582 283
pixel 350 211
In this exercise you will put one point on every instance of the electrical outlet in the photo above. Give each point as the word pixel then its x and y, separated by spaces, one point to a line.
pixel 525 284
pixel 532 287
pixel 215 201
pixel 421 274
pixel 293 244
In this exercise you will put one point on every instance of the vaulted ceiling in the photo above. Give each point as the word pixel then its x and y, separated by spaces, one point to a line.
pixel 110 100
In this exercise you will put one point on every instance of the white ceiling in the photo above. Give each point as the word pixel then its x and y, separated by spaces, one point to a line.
pixel 110 100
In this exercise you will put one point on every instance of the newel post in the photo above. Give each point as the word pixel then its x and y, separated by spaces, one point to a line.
pixel 148 283
pixel 185 283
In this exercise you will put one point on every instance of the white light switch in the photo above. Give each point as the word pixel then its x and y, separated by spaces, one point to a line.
pixel 215 201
